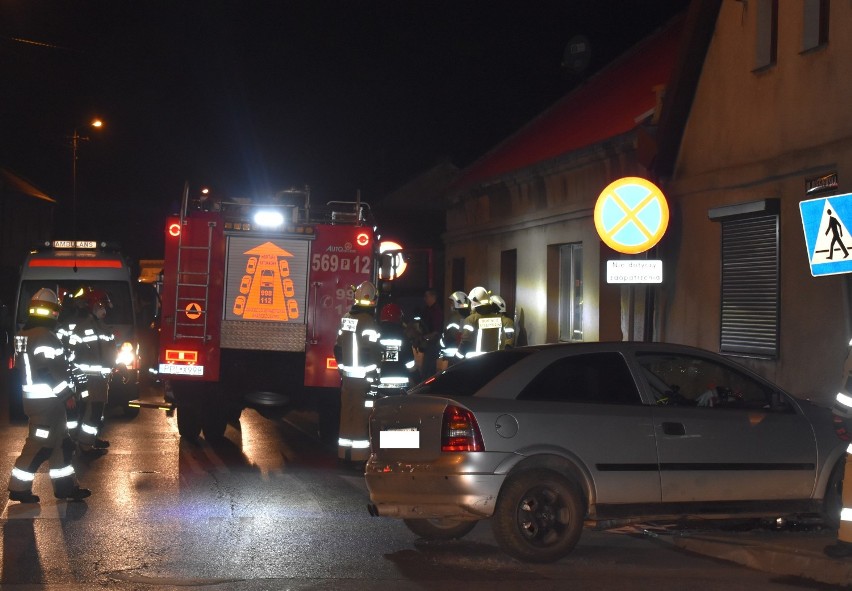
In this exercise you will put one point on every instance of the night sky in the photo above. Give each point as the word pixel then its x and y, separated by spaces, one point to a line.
pixel 248 97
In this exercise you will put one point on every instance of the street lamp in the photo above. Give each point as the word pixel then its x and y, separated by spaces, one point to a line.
pixel 76 138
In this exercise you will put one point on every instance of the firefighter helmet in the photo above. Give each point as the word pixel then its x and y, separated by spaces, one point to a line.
pixel 499 303
pixel 391 313
pixel 97 297
pixel 366 294
pixel 478 296
pixel 88 298
pixel 460 300
pixel 45 304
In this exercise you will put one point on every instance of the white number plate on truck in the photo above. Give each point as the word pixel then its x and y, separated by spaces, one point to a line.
pixel 183 370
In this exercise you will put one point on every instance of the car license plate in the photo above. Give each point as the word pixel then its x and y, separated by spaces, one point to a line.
pixel 399 439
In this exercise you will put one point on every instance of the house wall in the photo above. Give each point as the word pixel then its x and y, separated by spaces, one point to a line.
pixel 758 134
pixel 532 211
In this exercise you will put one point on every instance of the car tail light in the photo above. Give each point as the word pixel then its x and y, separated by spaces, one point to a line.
pixel 459 431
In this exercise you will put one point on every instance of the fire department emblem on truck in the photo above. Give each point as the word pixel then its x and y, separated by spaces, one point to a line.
pixel 267 291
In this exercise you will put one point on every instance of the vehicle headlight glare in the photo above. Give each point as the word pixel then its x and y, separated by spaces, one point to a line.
pixel 126 355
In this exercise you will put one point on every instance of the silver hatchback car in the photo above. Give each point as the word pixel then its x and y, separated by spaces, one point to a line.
pixel 545 440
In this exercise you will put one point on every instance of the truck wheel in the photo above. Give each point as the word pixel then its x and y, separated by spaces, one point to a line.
pixel 131 412
pixel 188 422
pixel 539 516
pixel 214 424
pixel 439 529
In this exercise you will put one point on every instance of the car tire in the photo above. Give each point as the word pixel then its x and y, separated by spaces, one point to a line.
pixel 440 529
pixel 539 516
pixel 832 501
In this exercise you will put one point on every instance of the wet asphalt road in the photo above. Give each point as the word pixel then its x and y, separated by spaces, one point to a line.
pixel 269 508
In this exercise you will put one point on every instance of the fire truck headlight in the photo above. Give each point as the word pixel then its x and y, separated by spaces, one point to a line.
pixel 269 218
pixel 126 356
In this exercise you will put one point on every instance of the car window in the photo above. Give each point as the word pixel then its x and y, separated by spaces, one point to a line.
pixel 602 378
pixel 685 380
pixel 468 376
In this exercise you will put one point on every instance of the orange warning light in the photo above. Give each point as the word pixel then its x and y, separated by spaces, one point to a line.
pixel 173 355
pixel 331 363
pixel 174 229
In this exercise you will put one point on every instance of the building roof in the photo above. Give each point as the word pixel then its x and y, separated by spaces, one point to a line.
pixel 612 102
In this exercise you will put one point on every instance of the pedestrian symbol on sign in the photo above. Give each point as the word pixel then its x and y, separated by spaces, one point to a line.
pixel 835 226
pixel 826 234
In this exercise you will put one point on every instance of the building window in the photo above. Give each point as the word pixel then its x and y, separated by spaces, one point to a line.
pixel 767 33
pixel 571 292
pixel 815 30
pixel 751 297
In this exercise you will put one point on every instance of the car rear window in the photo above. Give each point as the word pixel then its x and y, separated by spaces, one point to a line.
pixel 594 378
pixel 468 376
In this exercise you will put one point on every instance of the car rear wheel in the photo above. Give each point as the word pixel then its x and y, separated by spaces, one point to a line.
pixel 539 516
pixel 440 529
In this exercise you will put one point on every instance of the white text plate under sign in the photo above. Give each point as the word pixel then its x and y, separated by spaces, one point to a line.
pixel 638 271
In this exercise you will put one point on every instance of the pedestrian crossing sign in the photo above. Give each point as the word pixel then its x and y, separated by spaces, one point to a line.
pixel 826 221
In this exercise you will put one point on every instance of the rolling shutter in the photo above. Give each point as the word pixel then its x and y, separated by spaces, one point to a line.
pixel 750 286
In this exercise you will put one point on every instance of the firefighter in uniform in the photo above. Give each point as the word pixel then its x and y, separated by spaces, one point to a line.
pixel 93 346
pixel 482 330
pixel 396 361
pixel 357 355
pixel 843 425
pixel 508 339
pixel 451 336
pixel 46 390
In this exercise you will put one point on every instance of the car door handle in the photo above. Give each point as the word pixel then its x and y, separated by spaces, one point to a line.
pixel 674 429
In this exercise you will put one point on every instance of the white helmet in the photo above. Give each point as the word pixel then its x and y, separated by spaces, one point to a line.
pixel 366 294
pixel 499 302
pixel 478 296
pixel 459 299
pixel 45 304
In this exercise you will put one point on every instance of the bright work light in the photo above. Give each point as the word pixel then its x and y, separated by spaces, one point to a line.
pixel 269 219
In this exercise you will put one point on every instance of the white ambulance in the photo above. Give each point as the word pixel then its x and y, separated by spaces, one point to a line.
pixel 66 266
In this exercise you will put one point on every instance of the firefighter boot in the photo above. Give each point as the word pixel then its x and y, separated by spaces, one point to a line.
pixel 839 550
pixel 23 496
pixel 75 494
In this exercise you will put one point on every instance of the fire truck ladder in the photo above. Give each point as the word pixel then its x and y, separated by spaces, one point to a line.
pixel 193 287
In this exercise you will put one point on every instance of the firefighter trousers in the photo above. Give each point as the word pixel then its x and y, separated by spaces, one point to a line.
pixel 47 440
pixel 353 443
pixel 92 413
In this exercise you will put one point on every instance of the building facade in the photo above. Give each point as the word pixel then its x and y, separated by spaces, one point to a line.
pixel 768 128
pixel 520 219
pixel 750 120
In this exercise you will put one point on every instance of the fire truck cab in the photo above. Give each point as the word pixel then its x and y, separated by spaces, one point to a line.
pixel 66 266
pixel 252 297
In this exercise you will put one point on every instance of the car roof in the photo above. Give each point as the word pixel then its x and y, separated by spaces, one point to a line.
pixel 624 346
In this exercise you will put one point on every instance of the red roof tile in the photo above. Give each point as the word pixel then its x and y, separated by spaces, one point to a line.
pixel 606 106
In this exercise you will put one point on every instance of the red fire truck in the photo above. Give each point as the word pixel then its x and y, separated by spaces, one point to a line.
pixel 252 297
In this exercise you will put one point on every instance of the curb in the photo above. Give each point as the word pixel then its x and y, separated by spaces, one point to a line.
pixel 804 560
